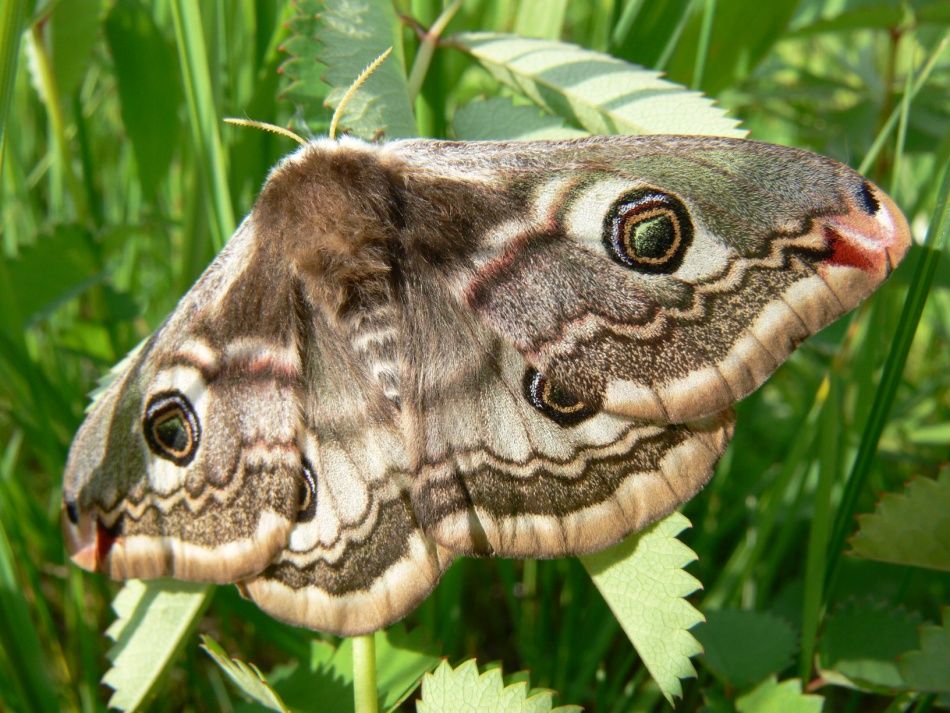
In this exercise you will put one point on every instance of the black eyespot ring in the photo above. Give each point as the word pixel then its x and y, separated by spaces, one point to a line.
pixel 308 494
pixel 648 230
pixel 555 403
pixel 171 427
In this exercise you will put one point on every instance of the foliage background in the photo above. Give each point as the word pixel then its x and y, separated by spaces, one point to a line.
pixel 119 183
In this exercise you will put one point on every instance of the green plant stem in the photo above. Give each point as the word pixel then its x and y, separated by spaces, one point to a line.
pixel 365 695
pixel 49 90
pixel 427 48
pixel 203 120
pixel 924 273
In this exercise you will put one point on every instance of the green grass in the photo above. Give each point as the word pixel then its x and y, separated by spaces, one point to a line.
pixel 119 182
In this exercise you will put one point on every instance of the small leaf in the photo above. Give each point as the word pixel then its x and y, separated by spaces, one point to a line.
pixel 497 118
pixel 154 621
pixel 771 696
pixel 347 36
pixel 246 677
pixel 464 689
pixel 645 586
pixel 147 75
pixel 603 94
pixel 928 669
pixel 911 528
pixel 743 647
pixel 861 643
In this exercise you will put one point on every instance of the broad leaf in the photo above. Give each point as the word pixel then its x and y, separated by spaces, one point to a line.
pixel 861 644
pixel 498 118
pixel 147 75
pixel 596 91
pixel 742 647
pixel 154 621
pixel 645 585
pixel 771 696
pixel 928 669
pixel 912 527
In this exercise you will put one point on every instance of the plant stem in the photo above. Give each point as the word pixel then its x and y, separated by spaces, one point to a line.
pixel 365 697
pixel 427 48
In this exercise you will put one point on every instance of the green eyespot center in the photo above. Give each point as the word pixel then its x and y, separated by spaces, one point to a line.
pixel 172 433
pixel 171 427
pixel 649 231
pixel 653 238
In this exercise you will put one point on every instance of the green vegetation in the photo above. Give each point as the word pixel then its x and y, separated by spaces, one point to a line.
pixel 120 182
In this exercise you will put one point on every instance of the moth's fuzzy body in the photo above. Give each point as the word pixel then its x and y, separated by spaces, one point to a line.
pixel 422 349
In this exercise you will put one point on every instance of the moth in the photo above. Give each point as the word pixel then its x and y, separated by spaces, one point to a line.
pixel 418 350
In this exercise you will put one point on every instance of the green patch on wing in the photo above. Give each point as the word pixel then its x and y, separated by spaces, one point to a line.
pixel 465 689
pixel 911 528
pixel 600 93
pixel 861 644
pixel 645 585
pixel 928 668
pixel 742 647
pixel 154 621
pixel 346 36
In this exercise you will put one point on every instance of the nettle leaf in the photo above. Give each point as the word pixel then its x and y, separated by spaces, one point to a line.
pixel 928 669
pixel 499 118
pixel 247 677
pixel 743 647
pixel 645 585
pixel 154 620
pixel 464 689
pixel 73 31
pixel 910 528
pixel 346 37
pixel 787 697
pixel 861 643
pixel 598 92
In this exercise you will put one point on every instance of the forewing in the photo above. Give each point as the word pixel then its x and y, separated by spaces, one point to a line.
pixel 667 277
pixel 188 465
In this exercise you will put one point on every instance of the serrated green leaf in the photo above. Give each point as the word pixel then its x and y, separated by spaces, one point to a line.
pixel 912 527
pixel 602 94
pixel 147 75
pixel 498 118
pixel 346 37
pixel 464 689
pixel 40 284
pixel 153 622
pixel 770 696
pixel 861 643
pixel 246 677
pixel 645 585
pixel 928 668
pixel 742 647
